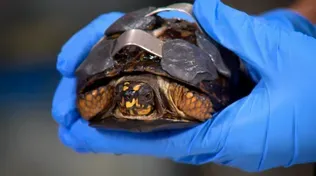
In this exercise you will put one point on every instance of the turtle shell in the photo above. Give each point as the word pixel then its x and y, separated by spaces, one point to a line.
pixel 187 56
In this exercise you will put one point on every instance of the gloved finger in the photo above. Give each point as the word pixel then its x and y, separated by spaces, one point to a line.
pixel 280 17
pixel 196 159
pixel 159 144
pixel 64 106
pixel 249 37
pixel 77 48
pixel 70 141
pixel 208 138
pixel 291 20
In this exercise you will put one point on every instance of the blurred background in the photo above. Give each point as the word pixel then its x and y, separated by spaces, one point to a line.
pixel 32 33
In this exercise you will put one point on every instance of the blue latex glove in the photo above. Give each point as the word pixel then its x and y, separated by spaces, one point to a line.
pixel 271 127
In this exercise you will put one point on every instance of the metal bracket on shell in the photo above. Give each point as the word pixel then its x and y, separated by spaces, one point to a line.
pixel 145 40
pixel 141 39
pixel 181 7
pixel 152 44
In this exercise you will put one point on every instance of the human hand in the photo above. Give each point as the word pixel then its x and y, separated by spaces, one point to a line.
pixel 269 128
pixel 273 126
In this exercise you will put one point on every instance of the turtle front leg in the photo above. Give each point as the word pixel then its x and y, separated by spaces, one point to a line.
pixel 190 103
pixel 93 102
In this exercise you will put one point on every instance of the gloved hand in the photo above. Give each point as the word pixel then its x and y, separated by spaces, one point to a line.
pixel 271 127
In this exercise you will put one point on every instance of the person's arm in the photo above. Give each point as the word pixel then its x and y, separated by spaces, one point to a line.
pixel 306 8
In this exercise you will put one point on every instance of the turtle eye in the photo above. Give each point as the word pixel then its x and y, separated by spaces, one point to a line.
pixel 148 96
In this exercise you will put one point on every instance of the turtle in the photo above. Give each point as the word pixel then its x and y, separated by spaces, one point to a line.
pixel 130 88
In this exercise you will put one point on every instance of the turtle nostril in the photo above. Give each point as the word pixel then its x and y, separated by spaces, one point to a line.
pixel 128 97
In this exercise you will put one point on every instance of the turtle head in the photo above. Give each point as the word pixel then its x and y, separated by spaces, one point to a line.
pixel 136 98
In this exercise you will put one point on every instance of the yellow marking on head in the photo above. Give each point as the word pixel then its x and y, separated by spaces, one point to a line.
pixel 144 111
pixel 136 88
pixel 126 83
pixel 137 104
pixel 130 104
pixel 125 88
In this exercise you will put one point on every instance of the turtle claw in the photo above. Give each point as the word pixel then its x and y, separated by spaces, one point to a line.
pixel 213 52
pixel 133 20
pixel 187 62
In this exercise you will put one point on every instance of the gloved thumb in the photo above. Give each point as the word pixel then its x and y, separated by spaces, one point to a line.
pixel 240 130
pixel 247 36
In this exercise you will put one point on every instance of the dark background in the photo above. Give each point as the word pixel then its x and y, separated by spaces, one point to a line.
pixel 32 33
